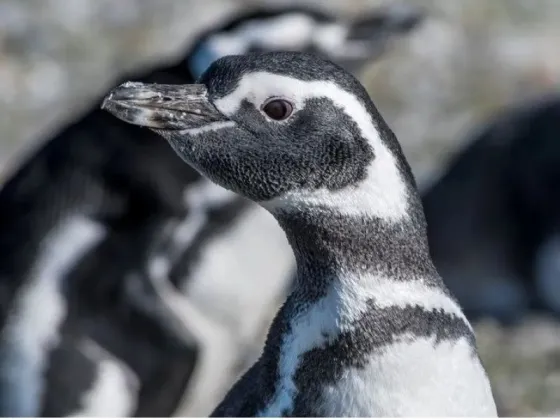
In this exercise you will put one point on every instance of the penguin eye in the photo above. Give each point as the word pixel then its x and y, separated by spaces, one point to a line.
pixel 278 109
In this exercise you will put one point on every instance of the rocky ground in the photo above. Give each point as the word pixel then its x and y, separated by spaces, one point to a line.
pixel 470 59
pixel 524 366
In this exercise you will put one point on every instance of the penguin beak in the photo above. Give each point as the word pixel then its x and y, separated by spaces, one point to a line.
pixel 162 107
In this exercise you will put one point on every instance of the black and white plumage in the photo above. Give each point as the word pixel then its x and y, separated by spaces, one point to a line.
pixel 104 231
pixel 500 196
pixel 349 42
pixel 68 245
pixel 369 328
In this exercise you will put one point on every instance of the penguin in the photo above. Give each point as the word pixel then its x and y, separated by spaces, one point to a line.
pixel 499 196
pixel 369 328
pixel 105 377
pixel 133 253
pixel 349 42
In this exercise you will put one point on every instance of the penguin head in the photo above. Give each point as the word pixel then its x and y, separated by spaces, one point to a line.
pixel 283 129
pixel 348 42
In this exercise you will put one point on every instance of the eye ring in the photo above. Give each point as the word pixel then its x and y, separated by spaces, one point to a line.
pixel 278 109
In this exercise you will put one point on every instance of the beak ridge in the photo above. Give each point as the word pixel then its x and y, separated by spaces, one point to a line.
pixel 163 107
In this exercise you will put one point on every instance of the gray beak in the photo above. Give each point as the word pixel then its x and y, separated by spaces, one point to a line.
pixel 162 107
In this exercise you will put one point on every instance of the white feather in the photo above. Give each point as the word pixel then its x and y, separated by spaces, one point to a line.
pixel 383 193
pixel 215 126
pixel 414 377
pixel 39 308
pixel 346 302
pixel 290 31
pixel 199 198
pixel 218 353
pixel 243 273
pixel 114 390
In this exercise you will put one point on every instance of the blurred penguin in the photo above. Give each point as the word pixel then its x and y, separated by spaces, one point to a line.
pixel 494 216
pixel 124 280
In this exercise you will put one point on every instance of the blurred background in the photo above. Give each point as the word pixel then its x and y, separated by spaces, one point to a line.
pixel 468 64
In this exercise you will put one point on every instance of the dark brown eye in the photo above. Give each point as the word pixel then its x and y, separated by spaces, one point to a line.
pixel 278 109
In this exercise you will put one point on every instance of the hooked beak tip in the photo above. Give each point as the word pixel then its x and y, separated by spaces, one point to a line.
pixel 128 91
pixel 106 105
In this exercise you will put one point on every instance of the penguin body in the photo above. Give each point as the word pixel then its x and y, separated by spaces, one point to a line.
pixel 134 228
pixel 498 195
pixel 368 329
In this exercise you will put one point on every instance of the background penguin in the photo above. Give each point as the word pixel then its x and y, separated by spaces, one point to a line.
pixel 500 196
pixel 96 222
pixel 369 328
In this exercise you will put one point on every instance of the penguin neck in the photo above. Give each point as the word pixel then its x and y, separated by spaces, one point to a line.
pixel 362 284
pixel 330 246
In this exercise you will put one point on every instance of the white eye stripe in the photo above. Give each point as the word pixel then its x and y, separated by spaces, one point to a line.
pixel 382 193
pixel 261 87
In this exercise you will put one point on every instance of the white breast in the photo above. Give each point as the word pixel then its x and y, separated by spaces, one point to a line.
pixel 409 377
pixel 242 274
pixel 415 378
pixel 238 284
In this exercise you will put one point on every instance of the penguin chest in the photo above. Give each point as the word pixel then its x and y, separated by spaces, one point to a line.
pixel 416 377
